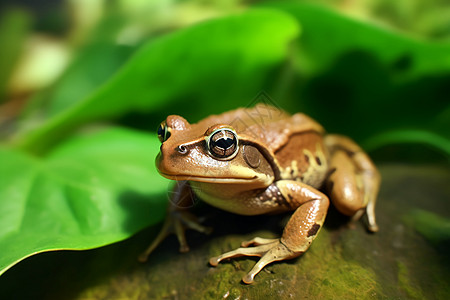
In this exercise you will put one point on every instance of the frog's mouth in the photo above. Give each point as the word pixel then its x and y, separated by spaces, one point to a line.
pixel 210 179
pixel 223 175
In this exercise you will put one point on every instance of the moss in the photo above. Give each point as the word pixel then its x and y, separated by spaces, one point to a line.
pixel 320 273
pixel 405 282
pixel 330 276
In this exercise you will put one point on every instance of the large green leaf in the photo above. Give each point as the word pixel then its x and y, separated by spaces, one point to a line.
pixel 221 58
pixel 92 190
pixel 92 66
pixel 327 34
pixel 93 63
pixel 368 81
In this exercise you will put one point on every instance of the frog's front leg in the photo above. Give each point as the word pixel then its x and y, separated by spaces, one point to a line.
pixel 178 219
pixel 310 210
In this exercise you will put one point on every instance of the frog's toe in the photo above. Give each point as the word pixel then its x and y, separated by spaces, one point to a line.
pixel 177 222
pixel 191 222
pixel 272 250
pixel 258 241
pixel 370 214
pixel 370 211
pixel 252 251
pixel 277 252
pixel 165 231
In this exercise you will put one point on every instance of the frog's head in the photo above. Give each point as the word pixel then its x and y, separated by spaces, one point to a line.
pixel 215 154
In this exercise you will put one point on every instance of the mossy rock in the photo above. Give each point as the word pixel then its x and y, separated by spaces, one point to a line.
pixel 408 258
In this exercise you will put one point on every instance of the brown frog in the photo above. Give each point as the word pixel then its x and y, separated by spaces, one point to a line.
pixel 261 160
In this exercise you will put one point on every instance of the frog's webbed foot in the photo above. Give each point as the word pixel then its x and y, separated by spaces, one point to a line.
pixel 176 222
pixel 270 250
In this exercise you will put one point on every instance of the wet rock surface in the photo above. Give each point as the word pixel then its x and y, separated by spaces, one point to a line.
pixel 409 258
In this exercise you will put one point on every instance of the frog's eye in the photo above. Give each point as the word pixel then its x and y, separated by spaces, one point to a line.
pixel 223 143
pixel 163 132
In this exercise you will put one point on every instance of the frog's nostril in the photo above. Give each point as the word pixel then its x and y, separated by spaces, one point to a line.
pixel 182 149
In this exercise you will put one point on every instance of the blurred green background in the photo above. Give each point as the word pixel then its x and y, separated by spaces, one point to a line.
pixel 84 85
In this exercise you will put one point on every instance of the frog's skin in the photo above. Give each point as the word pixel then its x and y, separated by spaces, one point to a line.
pixel 262 160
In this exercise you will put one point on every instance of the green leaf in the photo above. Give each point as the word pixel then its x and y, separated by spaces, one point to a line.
pixel 92 66
pixel 393 137
pixel 91 191
pixel 221 59
pixel 327 35
pixel 95 61
pixel 435 228
pixel 376 85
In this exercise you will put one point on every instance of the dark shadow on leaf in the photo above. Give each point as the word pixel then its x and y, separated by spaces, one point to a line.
pixel 359 96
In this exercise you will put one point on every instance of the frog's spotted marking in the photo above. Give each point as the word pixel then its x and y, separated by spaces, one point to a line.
pixel 306 158
pixel 314 229
pixel 291 172
pixel 273 196
pixel 318 161
pixel 314 174
pixel 317 170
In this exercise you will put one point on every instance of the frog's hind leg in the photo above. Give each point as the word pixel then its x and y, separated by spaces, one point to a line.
pixel 353 181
